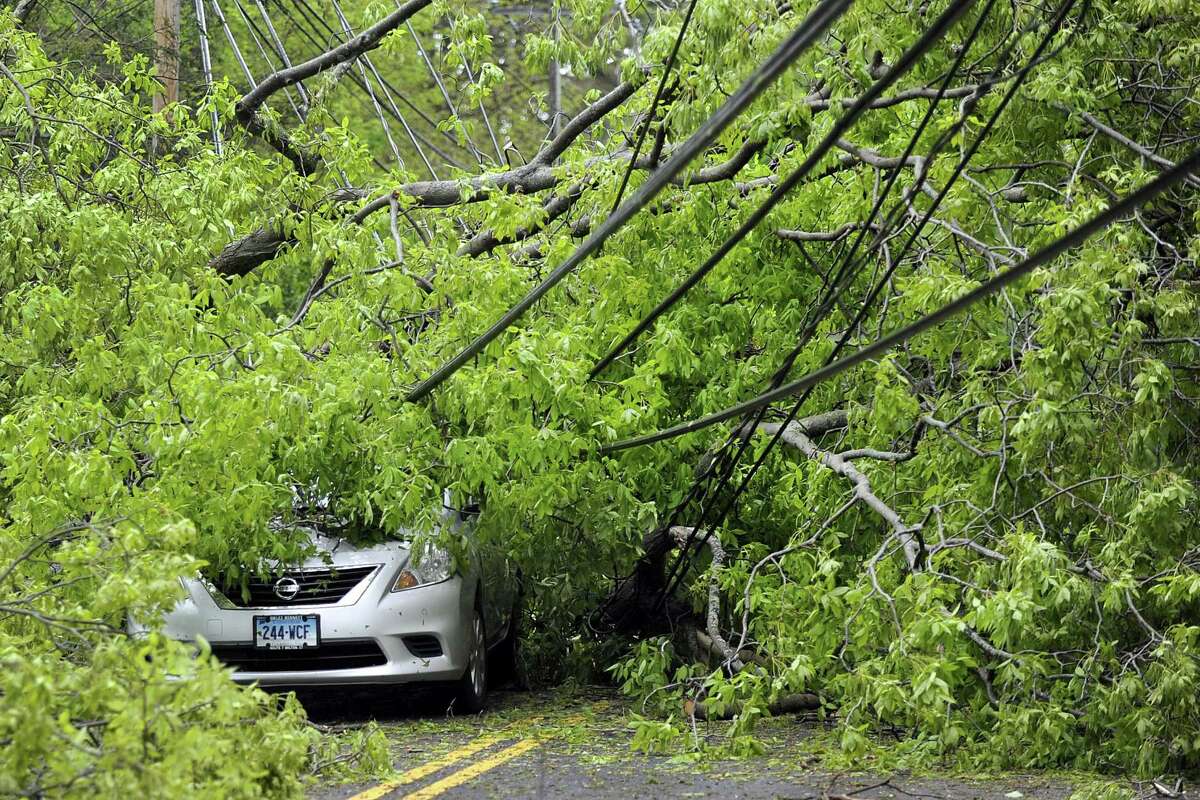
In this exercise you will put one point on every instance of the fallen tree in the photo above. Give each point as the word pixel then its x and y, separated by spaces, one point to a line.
pixel 984 541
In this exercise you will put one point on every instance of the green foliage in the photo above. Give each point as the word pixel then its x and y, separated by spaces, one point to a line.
pixel 143 717
pixel 154 415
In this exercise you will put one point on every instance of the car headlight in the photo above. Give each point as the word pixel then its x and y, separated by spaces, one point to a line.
pixel 431 565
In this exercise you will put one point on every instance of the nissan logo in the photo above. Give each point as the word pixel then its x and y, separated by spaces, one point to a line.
pixel 286 588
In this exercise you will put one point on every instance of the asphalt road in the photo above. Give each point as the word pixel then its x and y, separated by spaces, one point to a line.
pixel 542 745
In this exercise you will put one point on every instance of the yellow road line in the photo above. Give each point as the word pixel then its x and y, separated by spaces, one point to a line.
pixel 471 748
pixel 425 770
pixel 475 770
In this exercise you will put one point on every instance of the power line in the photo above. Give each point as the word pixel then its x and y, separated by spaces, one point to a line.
pixel 257 36
pixel 277 43
pixel 387 130
pixel 437 79
pixel 311 18
pixel 1052 251
pixel 928 39
pixel 744 432
pixel 487 123
pixel 807 32
pixel 726 464
pixel 781 374
pixel 387 96
pixel 237 51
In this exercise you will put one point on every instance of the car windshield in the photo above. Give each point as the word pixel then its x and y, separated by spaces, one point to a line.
pixel 319 512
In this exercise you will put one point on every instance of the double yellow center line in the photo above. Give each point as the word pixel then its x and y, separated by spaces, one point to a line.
pixel 425 770
pixel 470 771
pixel 473 771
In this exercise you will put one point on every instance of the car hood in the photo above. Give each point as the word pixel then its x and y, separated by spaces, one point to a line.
pixel 339 552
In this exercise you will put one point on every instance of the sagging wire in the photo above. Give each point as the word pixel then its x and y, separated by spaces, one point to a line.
pixel 848 266
pixel 387 95
pixel 722 462
pixel 387 129
pixel 437 79
pixel 257 36
pixel 878 288
pixel 281 52
pixel 931 36
pixel 310 17
pixel 233 43
pixel 962 163
pixel 487 123
pixel 1183 170
pixel 1057 248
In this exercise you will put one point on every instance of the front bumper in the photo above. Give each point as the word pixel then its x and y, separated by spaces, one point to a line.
pixel 378 623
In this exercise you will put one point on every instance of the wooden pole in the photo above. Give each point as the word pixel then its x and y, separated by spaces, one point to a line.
pixel 166 51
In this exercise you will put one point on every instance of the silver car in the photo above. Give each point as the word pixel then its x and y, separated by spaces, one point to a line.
pixel 380 614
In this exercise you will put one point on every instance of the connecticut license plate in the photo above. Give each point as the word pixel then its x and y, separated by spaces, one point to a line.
pixel 287 632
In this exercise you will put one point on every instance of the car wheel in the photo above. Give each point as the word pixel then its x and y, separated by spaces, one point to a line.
pixel 471 693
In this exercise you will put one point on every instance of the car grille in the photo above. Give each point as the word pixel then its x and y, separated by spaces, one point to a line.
pixel 343 654
pixel 423 645
pixel 317 587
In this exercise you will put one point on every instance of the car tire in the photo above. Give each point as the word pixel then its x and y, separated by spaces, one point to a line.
pixel 470 693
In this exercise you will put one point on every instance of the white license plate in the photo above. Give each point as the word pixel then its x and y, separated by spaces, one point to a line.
pixel 287 632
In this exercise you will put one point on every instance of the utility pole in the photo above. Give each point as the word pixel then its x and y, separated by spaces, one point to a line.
pixel 166 51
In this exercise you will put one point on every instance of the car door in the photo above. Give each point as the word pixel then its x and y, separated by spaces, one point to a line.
pixel 496 573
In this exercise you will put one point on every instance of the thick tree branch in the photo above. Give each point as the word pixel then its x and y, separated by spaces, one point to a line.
pixel 240 258
pixel 487 240
pixel 533 177
pixel 876 159
pixel 303 162
pixel 369 39
pixel 788 704
pixel 837 234
pixel 244 255
pixel 820 102
pixel 723 171
pixel 528 179
pixel 584 120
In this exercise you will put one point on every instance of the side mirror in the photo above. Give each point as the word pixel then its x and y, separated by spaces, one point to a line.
pixel 471 510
